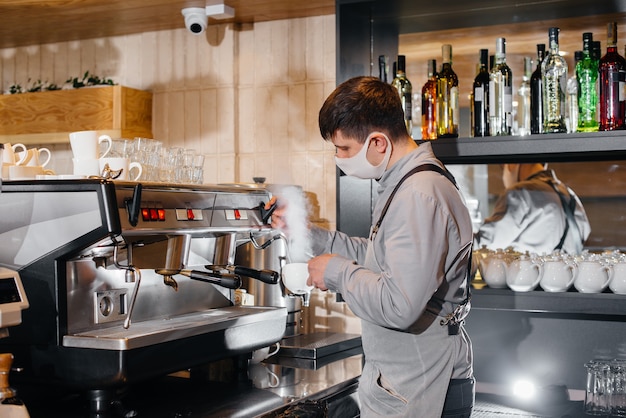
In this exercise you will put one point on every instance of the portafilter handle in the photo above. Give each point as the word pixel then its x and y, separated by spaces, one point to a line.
pixel 225 280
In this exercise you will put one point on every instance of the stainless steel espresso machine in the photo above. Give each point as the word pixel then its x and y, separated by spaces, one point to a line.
pixel 128 281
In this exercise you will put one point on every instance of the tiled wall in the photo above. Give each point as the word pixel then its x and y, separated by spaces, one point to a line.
pixel 246 96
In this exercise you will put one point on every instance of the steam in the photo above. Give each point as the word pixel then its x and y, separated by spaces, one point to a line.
pixel 296 217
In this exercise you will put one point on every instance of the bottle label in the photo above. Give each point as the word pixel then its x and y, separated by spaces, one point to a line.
pixel 408 106
pixel 622 86
pixel 454 104
pixel 478 94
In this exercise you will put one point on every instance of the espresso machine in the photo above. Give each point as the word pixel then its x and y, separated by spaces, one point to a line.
pixel 128 281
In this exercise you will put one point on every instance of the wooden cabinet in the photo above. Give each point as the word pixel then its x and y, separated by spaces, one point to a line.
pixel 48 117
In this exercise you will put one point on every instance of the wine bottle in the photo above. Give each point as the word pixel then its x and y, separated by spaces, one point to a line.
pixel 587 77
pixel 429 103
pixel 554 76
pixel 405 90
pixel 536 96
pixel 500 93
pixel 572 96
pixel 480 97
pixel 382 68
pixel 447 97
pixel 612 76
pixel 523 100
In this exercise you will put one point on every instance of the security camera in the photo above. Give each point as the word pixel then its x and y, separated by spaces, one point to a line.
pixel 195 19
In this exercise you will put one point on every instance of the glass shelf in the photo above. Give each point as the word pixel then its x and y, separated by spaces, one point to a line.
pixel 591 146
pixel 572 304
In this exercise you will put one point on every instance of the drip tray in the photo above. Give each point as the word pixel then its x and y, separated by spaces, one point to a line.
pixel 318 344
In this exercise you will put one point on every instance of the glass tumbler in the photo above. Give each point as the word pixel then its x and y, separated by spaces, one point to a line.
pixel 597 395
pixel 618 388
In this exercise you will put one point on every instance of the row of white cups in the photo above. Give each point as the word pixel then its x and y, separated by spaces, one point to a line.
pixel 20 162
pixel 557 272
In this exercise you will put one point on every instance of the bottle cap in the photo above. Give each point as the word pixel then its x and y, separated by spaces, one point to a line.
pixel 446 51
pixel 483 57
pixel 432 67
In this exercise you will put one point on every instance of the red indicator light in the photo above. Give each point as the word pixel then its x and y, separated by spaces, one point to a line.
pixel 190 214
pixel 161 214
pixel 237 214
pixel 145 214
pixel 153 214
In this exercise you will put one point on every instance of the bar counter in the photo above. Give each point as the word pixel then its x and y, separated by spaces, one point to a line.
pixel 263 390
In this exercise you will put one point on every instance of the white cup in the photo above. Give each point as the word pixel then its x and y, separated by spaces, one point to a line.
pixel 8 155
pixel 124 164
pixel 263 353
pixel 32 157
pixel 558 275
pixel 295 276
pixel 26 172
pixel 86 166
pixel 523 274
pixel 592 277
pixel 85 144
pixel 618 282
pixel 262 377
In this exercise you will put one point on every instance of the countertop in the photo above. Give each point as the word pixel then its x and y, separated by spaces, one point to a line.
pixel 264 390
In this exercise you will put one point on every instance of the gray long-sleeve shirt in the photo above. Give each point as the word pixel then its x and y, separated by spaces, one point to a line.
pixel 420 250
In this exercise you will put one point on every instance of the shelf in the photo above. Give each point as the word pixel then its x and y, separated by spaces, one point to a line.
pixel 592 146
pixel 575 304
pixel 48 117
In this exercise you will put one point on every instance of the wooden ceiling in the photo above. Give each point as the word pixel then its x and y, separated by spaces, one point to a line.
pixel 33 22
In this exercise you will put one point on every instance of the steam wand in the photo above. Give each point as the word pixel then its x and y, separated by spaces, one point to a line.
pixel 132 275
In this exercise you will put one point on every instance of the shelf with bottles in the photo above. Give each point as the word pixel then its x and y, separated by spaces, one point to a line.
pixel 598 306
pixel 589 146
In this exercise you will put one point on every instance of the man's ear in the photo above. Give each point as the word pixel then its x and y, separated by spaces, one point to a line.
pixel 380 142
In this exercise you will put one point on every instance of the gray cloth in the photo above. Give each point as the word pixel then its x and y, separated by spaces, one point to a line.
pixel 401 285
pixel 530 217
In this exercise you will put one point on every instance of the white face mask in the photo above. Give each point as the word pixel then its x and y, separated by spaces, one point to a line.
pixel 358 166
pixel 510 174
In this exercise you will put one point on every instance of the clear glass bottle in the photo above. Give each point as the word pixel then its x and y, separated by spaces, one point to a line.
pixel 554 76
pixel 612 78
pixel 500 93
pixel 429 102
pixel 405 90
pixel 480 97
pixel 536 96
pixel 447 97
pixel 523 99
pixel 587 77
pixel 572 96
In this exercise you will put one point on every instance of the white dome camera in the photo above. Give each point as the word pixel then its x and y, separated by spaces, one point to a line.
pixel 196 19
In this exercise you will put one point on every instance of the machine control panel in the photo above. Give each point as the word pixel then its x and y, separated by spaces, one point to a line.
pixel 12 298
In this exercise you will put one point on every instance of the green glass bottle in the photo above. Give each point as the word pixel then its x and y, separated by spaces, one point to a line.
pixel 587 76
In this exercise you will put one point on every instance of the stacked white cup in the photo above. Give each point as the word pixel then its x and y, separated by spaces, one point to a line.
pixel 85 148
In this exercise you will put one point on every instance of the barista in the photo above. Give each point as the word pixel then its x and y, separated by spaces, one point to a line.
pixel 536 213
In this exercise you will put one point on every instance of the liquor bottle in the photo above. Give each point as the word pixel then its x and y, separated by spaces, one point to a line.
pixel 587 77
pixel 554 76
pixel 612 76
pixel 500 93
pixel 429 103
pixel 405 90
pixel 447 97
pixel 523 100
pixel 480 97
pixel 572 96
pixel 382 68
pixel 536 96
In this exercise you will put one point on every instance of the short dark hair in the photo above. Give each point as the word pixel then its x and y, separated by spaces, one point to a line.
pixel 361 105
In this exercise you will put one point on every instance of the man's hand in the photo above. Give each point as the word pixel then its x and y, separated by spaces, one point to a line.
pixel 279 214
pixel 317 266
